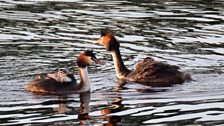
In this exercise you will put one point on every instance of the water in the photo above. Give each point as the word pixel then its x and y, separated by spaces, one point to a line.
pixel 39 36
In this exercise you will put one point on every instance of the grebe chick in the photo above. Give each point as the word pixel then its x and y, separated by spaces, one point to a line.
pixel 61 81
pixel 147 71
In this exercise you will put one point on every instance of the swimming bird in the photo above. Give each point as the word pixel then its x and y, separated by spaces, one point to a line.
pixel 147 71
pixel 62 81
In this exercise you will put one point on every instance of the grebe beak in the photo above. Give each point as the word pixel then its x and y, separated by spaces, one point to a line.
pixel 96 61
pixel 99 41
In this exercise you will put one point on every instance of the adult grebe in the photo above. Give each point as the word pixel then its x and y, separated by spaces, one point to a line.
pixel 62 81
pixel 147 71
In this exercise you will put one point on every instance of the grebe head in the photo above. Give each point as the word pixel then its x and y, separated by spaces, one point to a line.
pixel 61 75
pixel 108 40
pixel 86 58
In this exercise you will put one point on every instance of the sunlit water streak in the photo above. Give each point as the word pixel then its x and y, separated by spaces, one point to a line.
pixel 40 36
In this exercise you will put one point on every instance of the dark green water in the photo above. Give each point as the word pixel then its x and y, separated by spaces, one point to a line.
pixel 39 36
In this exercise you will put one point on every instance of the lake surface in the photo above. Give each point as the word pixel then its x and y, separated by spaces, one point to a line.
pixel 40 36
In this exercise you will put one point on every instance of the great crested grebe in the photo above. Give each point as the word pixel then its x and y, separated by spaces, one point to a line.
pixel 147 71
pixel 61 81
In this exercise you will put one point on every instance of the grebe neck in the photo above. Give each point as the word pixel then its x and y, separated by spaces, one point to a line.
pixel 120 68
pixel 84 100
pixel 84 79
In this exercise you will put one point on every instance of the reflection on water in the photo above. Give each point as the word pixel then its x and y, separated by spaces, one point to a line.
pixel 40 36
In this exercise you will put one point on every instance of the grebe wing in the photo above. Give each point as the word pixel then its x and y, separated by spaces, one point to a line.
pixel 157 73
pixel 148 67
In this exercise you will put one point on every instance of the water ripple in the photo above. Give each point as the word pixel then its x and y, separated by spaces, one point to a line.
pixel 40 36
